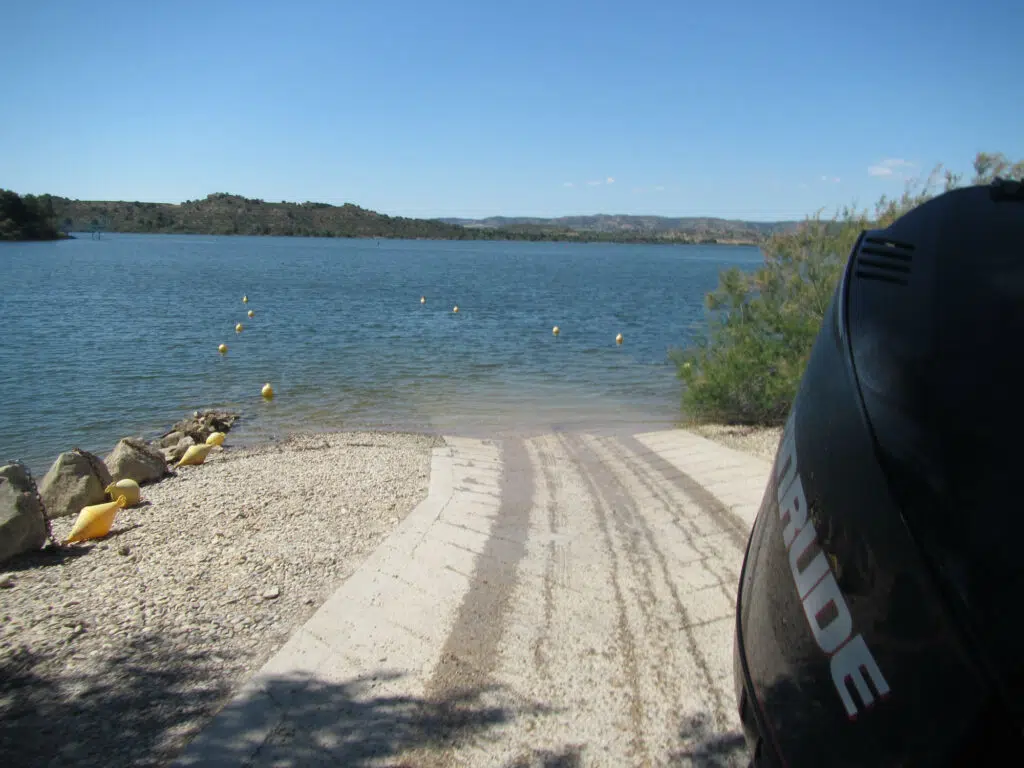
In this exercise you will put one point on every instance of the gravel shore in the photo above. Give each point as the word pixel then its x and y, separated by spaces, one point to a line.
pixel 117 652
pixel 757 441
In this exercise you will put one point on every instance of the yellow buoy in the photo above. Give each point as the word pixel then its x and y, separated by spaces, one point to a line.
pixel 267 391
pixel 216 438
pixel 238 328
pixel 196 454
pixel 223 349
pixel 618 339
pixel 245 299
pixel 251 313
pixel 127 488
pixel 556 330
pixel 95 521
pixel 455 308
pixel 423 299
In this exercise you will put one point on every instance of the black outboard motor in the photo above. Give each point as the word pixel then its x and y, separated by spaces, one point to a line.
pixel 880 615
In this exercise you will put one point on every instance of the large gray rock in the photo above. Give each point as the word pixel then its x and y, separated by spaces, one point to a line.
pixel 137 460
pixel 76 479
pixel 22 527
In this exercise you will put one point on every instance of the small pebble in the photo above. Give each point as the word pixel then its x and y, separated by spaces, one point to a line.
pixel 271 593
pixel 6 581
pixel 124 549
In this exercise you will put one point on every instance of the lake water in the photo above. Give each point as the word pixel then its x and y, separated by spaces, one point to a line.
pixel 118 336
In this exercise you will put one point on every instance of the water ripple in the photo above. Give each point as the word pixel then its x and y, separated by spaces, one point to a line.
pixel 116 337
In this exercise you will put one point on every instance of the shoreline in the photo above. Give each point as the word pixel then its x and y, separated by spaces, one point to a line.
pixel 250 431
pixel 581 240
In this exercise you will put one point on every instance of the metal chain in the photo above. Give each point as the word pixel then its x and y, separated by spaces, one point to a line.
pixel 94 462
pixel 42 507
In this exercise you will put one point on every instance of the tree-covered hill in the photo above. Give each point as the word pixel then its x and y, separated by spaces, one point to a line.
pixel 26 218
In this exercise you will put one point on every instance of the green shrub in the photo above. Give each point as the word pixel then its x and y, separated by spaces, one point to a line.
pixel 746 367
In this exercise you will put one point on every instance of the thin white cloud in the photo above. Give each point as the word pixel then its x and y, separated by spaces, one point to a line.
pixel 889 167
pixel 836 180
pixel 659 188
pixel 593 183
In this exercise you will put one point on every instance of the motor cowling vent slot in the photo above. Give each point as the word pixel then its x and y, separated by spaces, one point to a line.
pixel 885 260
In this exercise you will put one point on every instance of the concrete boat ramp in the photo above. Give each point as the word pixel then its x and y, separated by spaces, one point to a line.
pixel 559 600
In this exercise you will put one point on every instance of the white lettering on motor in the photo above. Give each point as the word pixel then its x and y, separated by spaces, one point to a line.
pixel 825 608
pixel 818 567
pixel 847 665
pixel 837 631
pixel 793 509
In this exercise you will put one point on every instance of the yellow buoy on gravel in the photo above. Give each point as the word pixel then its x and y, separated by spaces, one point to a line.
pixel 95 521
pixel 127 488
pixel 455 308
pixel 423 299
pixel 216 438
pixel 556 330
pixel 251 313
pixel 618 339
pixel 267 391
pixel 238 328
pixel 245 299
pixel 223 349
pixel 196 454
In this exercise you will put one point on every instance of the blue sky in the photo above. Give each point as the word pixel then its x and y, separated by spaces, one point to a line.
pixel 740 109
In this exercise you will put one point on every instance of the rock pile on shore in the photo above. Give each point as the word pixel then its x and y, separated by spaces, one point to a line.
pixel 193 431
pixel 79 478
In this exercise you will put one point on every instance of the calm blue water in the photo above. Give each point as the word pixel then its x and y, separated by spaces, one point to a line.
pixel 107 338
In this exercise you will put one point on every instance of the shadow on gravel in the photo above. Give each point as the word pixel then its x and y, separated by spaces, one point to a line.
pixel 131 706
pixel 141 705
pixel 45 557
pixel 570 757
pixel 710 749
pixel 312 723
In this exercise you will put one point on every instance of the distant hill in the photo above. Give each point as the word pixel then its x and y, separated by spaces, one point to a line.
pixel 226 214
pixel 637 227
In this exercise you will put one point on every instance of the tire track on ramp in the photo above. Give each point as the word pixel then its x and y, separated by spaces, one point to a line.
pixel 471 650
pixel 575 606
pixel 587 627
pixel 556 571
pixel 625 637
pixel 681 688
pixel 727 521
pixel 716 740
pixel 683 499
pixel 626 476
